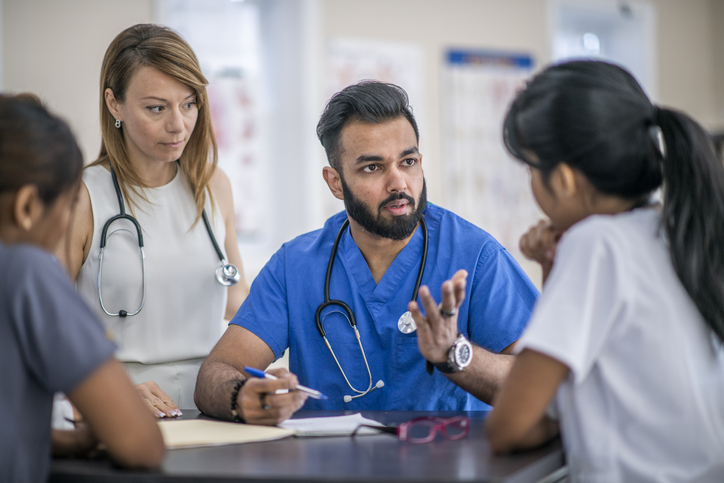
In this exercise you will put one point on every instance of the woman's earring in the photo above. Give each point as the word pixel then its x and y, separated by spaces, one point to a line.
pixel 118 124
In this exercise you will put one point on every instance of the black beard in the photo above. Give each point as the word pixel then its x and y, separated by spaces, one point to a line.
pixel 399 228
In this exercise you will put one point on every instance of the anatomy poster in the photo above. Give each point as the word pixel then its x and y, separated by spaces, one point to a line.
pixel 483 183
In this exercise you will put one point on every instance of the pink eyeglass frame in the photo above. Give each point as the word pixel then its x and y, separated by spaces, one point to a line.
pixel 436 424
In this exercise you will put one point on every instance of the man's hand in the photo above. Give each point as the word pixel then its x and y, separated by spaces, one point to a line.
pixel 268 401
pixel 438 328
pixel 160 404
pixel 539 244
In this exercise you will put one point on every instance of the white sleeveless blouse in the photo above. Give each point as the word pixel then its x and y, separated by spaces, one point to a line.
pixel 181 319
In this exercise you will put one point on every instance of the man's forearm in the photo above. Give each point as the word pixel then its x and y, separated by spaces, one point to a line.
pixel 486 372
pixel 214 386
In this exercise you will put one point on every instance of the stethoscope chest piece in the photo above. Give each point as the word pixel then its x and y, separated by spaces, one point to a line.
pixel 227 274
pixel 406 323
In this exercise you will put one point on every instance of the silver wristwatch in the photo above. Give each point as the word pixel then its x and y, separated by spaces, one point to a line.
pixel 458 358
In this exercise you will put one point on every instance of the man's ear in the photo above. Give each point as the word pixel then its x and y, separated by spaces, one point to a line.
pixel 112 103
pixel 333 180
pixel 27 207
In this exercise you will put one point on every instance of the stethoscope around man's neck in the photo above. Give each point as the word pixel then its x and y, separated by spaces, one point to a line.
pixel 405 324
pixel 226 274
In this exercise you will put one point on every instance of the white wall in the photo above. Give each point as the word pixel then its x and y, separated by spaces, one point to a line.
pixel 687 57
pixel 686 47
pixel 55 49
pixel 717 28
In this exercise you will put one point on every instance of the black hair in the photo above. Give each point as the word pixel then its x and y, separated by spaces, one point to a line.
pixel 369 101
pixel 596 118
pixel 36 148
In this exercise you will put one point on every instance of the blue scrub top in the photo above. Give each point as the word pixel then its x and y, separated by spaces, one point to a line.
pixel 285 295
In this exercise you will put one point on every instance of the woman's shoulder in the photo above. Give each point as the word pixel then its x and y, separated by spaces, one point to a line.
pixel 619 233
pixel 220 187
pixel 95 173
pixel 642 219
pixel 23 262
pixel 219 182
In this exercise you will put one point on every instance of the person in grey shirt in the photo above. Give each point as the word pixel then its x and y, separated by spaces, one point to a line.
pixel 49 339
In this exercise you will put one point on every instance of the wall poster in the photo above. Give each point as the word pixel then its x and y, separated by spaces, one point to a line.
pixel 483 183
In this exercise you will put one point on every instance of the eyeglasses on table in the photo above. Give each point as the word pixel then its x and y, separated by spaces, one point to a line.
pixel 425 429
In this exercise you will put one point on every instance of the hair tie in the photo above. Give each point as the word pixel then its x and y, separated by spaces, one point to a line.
pixel 656 136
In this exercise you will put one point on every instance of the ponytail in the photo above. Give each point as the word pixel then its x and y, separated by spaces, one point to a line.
pixel 693 214
pixel 595 117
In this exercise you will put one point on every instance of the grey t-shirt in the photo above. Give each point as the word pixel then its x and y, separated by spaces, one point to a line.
pixel 49 341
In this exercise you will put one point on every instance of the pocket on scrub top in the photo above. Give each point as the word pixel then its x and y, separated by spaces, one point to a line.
pixel 407 353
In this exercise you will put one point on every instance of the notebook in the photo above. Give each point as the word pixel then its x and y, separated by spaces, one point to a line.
pixel 201 432
pixel 331 426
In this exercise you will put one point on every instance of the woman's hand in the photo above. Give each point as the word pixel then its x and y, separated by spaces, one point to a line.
pixel 160 404
pixel 268 401
pixel 539 244
pixel 438 328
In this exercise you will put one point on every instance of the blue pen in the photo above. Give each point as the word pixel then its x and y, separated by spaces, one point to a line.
pixel 313 393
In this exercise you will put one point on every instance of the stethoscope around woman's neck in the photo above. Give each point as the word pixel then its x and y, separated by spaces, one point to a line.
pixel 226 274
pixel 405 324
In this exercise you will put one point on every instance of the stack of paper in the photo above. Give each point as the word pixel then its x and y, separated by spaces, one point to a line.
pixel 203 432
pixel 331 426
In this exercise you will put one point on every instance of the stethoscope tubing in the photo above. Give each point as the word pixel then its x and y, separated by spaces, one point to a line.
pixel 348 311
pixel 219 253
pixel 327 302
pixel 328 276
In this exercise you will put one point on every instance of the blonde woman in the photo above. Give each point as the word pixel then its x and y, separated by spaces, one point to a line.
pixel 152 279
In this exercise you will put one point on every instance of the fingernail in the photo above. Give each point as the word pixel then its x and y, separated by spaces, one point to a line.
pixel 176 413
pixel 160 414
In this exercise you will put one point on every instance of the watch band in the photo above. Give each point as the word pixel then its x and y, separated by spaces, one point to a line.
pixel 451 365
pixel 446 367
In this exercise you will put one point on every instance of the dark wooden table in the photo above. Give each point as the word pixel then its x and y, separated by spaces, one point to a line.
pixel 378 458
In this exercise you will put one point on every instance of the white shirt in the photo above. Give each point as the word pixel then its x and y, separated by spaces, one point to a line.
pixel 644 400
pixel 185 305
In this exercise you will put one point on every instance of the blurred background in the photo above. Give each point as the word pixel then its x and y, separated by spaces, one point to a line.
pixel 272 65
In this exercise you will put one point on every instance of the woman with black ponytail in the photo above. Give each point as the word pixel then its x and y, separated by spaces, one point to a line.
pixel 624 347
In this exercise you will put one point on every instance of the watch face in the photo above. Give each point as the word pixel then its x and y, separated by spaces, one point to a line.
pixel 463 354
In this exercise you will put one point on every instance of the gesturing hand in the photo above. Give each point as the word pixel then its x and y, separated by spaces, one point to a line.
pixel 438 328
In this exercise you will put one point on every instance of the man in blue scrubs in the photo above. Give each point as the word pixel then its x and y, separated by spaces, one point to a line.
pixel 371 140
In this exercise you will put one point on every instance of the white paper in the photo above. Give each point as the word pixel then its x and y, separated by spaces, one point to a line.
pixel 331 426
